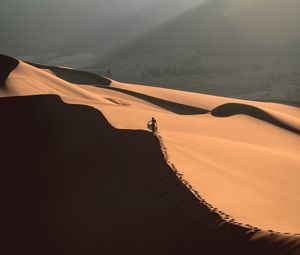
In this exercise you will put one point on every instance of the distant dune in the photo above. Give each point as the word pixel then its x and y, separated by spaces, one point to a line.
pixel 75 76
pixel 82 175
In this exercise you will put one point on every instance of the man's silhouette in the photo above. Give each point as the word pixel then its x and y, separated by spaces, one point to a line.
pixel 152 124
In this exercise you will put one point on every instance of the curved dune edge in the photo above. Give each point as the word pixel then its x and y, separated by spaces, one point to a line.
pixel 7 65
pixel 77 201
pixel 230 109
pixel 74 76
pixel 74 94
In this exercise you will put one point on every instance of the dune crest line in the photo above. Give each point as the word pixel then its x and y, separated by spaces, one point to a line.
pixel 231 109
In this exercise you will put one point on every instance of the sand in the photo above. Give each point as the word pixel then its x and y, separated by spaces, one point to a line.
pixel 236 162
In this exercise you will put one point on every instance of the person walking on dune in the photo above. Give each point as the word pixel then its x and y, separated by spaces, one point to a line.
pixel 152 125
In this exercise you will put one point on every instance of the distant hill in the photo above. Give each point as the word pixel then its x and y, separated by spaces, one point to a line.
pixel 247 49
pixel 214 29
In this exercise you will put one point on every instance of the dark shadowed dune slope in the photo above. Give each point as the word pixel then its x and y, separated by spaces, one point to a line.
pixel 7 64
pixel 73 184
pixel 75 76
pixel 231 109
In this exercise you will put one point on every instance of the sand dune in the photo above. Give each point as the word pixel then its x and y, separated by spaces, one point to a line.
pixel 231 109
pixel 75 76
pixel 92 196
pixel 7 64
pixel 168 105
pixel 221 177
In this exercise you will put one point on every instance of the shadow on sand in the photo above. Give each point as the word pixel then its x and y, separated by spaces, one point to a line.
pixel 177 108
pixel 86 78
pixel 231 109
pixel 7 65
pixel 75 76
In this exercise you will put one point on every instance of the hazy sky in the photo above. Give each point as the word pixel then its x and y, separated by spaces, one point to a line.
pixel 265 21
pixel 36 25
